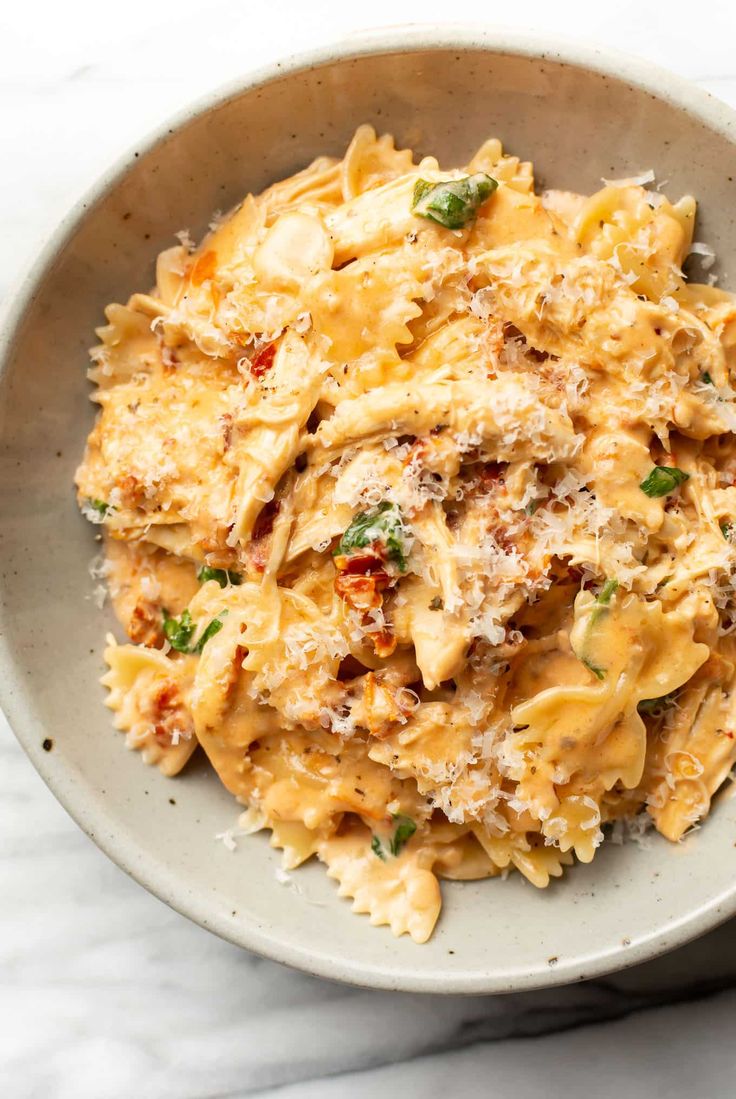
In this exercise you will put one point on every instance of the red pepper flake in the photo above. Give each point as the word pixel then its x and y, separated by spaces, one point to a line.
pixel 262 361
pixel 203 268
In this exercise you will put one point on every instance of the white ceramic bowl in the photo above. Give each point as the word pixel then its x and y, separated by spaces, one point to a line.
pixel 579 114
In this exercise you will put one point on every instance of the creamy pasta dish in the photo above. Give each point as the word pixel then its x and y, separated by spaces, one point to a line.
pixel 418 497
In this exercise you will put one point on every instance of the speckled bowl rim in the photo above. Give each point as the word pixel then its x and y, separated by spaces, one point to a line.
pixel 657 82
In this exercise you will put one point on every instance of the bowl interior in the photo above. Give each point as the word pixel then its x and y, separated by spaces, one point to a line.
pixel 577 125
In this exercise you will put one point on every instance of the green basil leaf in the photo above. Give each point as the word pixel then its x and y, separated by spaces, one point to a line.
pixel 663 480
pixel 377 849
pixel 178 631
pixel 452 203
pixel 405 829
pixel 606 593
pixel 96 511
pixel 603 600
pixel 222 576
pixel 214 627
pixel 655 706
pixel 600 610
pixel 379 524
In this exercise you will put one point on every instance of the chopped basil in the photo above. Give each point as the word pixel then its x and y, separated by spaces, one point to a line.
pixel 532 506
pixel 706 378
pixel 222 576
pixel 598 672
pixel 607 592
pixel 727 531
pixel 454 202
pixel 179 631
pixel 405 829
pixel 377 849
pixel 379 524
pixel 96 511
pixel 101 507
pixel 214 627
pixel 603 600
pixel 436 604
pixel 663 480
pixel 602 605
pixel 654 706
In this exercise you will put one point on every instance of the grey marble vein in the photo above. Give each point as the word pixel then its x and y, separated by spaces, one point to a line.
pixel 675 1051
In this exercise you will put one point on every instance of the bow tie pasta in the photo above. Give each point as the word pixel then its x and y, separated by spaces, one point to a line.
pixel 418 495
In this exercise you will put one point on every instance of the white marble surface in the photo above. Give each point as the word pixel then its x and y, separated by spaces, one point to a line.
pixel 105 993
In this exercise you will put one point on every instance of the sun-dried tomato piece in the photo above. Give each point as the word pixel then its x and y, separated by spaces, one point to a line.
pixel 384 642
pixel 145 625
pixel 362 592
pixel 262 360
pixel 169 714
pixel 372 559
pixel 361 580
pixel 132 490
pixel 263 525
pixel 259 547
pixel 492 472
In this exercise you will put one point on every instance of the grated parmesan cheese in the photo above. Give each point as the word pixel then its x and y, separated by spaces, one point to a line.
pixel 639 179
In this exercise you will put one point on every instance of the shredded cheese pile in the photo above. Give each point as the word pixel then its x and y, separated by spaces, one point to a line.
pixel 418 496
